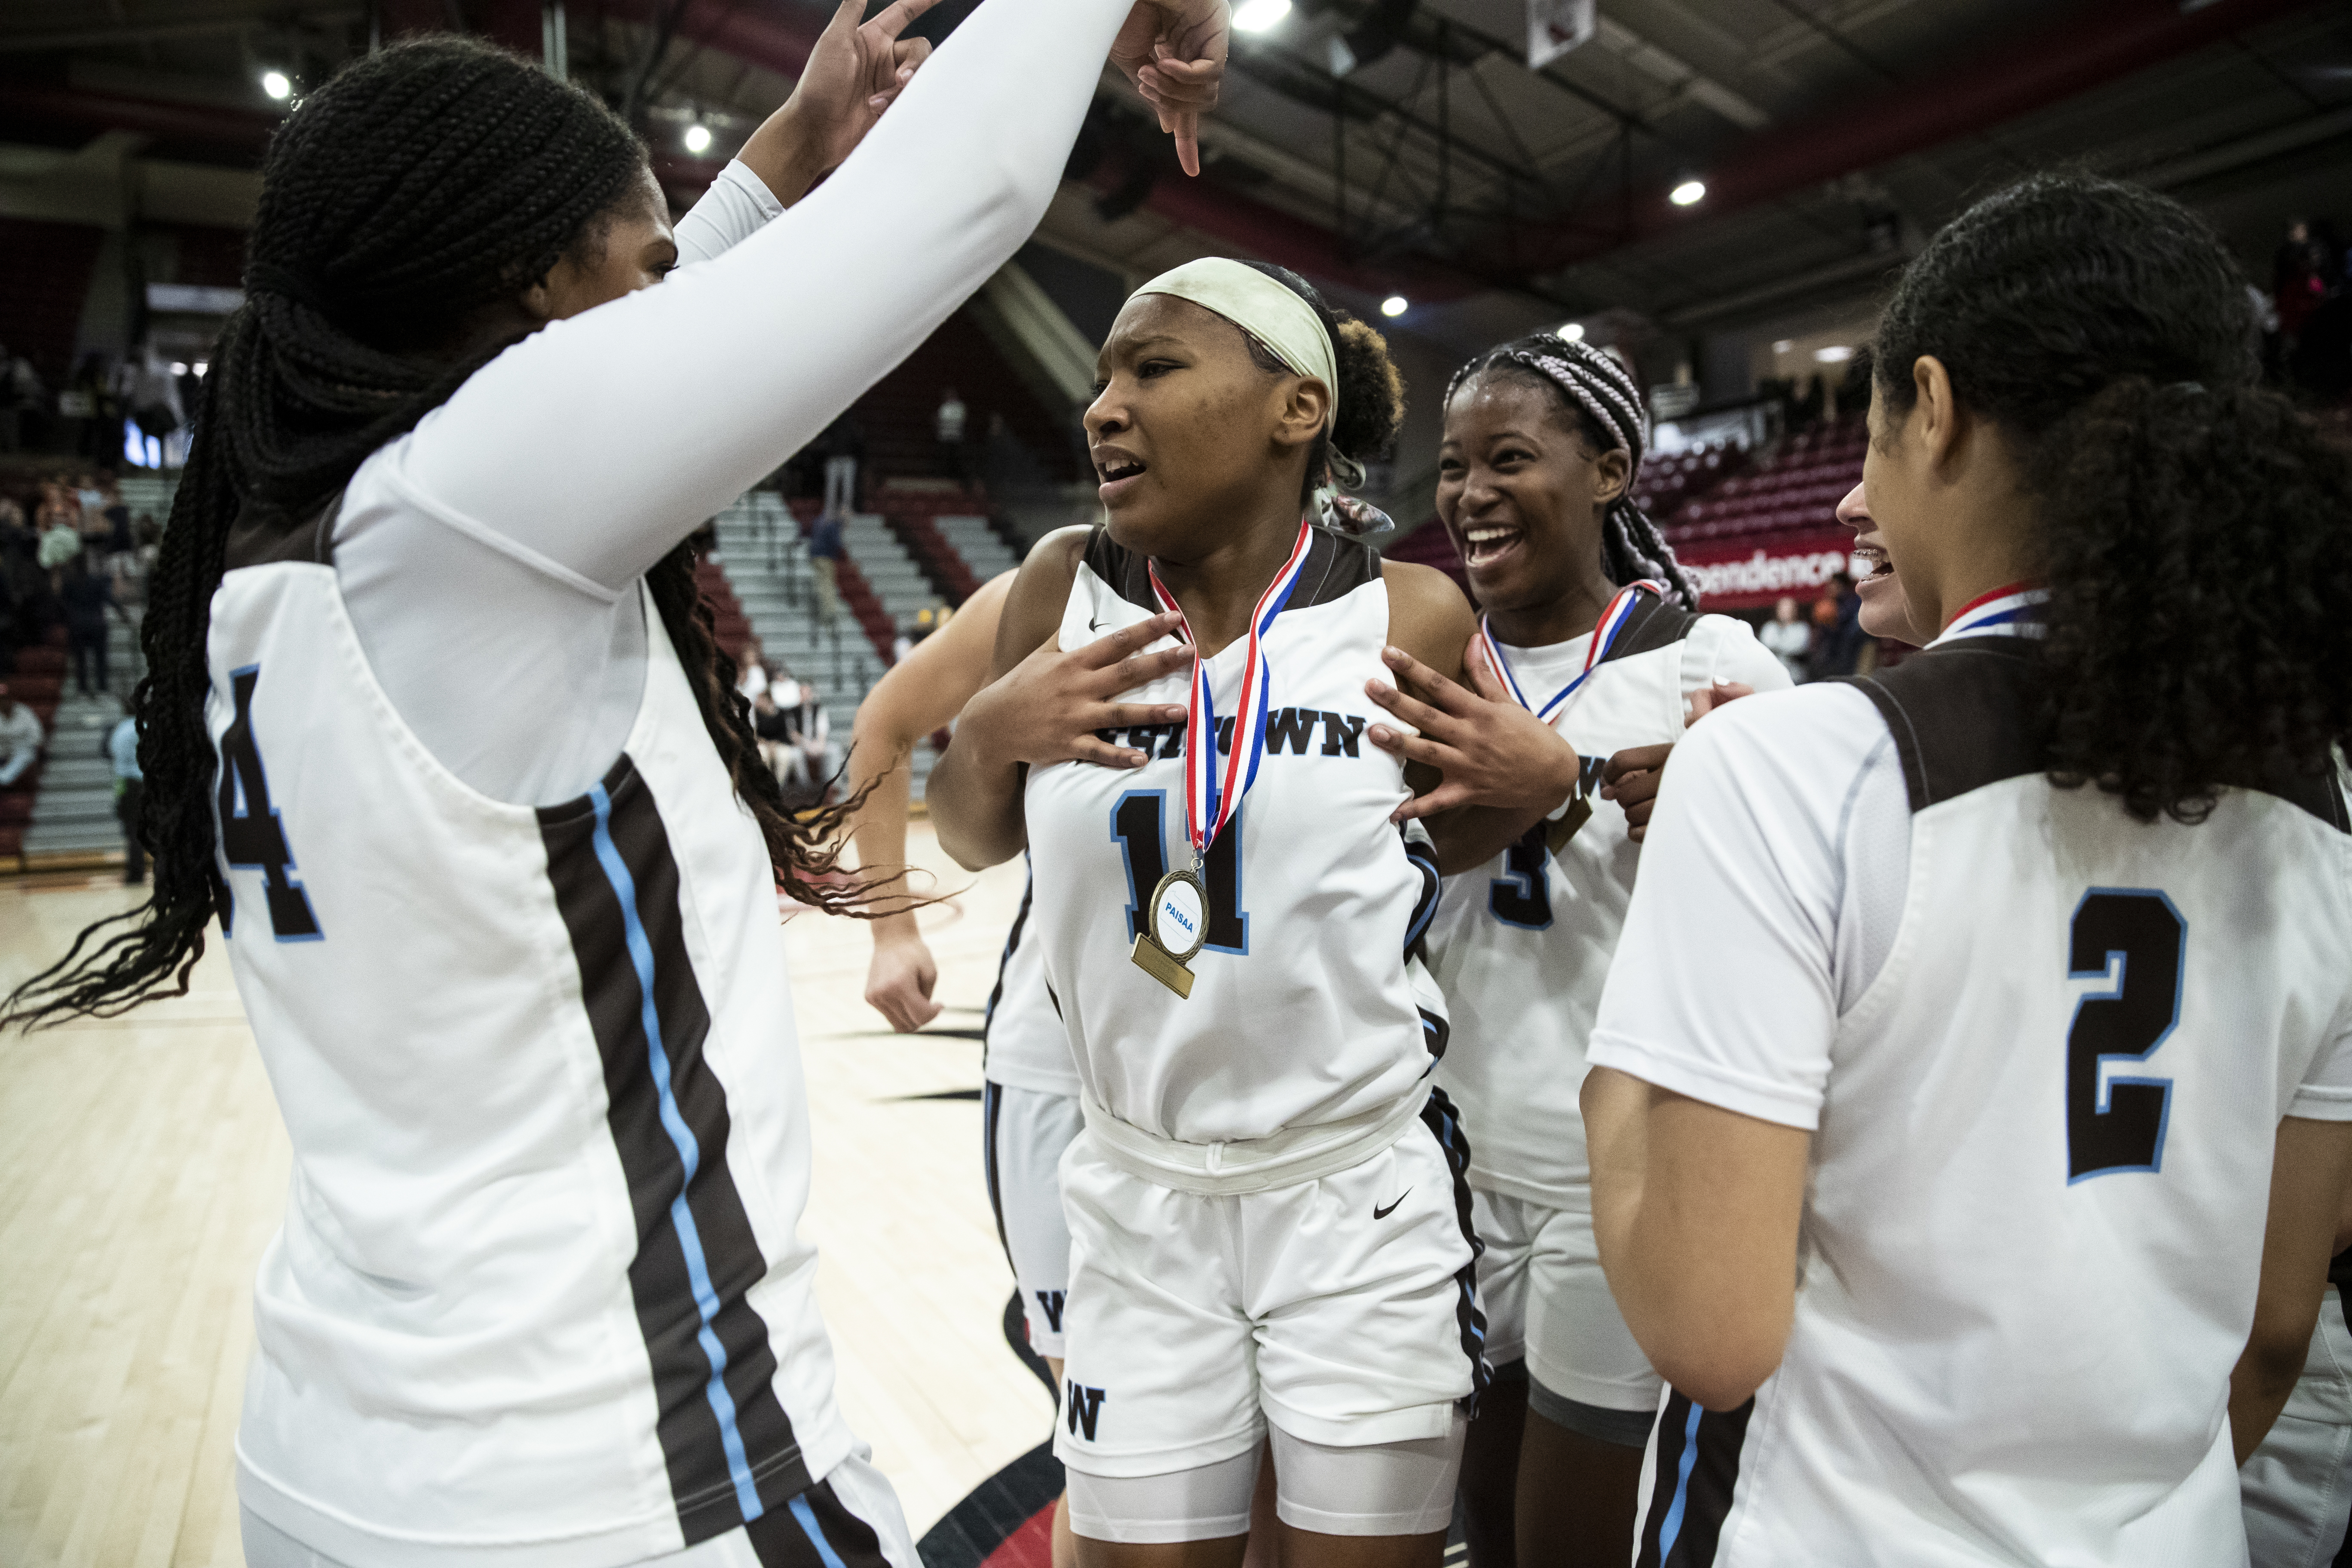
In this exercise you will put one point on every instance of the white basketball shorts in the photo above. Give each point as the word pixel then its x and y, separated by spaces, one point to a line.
pixel 1539 1279
pixel 1022 1134
pixel 1343 1309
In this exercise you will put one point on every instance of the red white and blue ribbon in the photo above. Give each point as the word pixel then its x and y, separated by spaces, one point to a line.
pixel 1209 801
pixel 1604 637
pixel 2014 611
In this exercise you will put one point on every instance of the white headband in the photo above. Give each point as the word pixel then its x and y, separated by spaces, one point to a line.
pixel 1274 315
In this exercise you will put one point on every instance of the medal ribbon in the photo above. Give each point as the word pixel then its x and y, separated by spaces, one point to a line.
pixel 1210 803
pixel 1604 638
pixel 2014 611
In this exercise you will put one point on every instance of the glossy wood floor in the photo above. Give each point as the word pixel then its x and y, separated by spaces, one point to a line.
pixel 142 1167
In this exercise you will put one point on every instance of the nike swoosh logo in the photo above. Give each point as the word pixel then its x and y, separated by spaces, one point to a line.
pixel 1378 1213
pixel 1093 624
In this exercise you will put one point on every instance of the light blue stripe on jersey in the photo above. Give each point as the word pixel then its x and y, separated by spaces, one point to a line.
pixel 689 1154
pixel 815 1533
pixel 1671 1529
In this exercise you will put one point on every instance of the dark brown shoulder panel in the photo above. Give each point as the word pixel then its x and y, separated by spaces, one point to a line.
pixel 1652 624
pixel 262 535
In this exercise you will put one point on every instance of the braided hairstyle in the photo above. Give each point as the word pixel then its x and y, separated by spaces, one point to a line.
pixel 2190 525
pixel 1596 395
pixel 400 204
pixel 1370 392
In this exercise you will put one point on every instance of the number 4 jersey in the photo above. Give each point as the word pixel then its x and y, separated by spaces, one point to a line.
pixel 2044 1051
pixel 1305 1008
pixel 538 1295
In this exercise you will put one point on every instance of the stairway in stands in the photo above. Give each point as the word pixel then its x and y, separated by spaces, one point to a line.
pixel 71 796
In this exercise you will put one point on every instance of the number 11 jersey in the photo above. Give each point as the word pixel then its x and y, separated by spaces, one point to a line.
pixel 1305 1007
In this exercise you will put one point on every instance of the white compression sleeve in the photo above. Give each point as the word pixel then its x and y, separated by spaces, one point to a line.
pixel 736 206
pixel 600 441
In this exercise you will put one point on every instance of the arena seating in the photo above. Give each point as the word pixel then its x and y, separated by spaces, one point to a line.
pixel 50 268
pixel 1797 487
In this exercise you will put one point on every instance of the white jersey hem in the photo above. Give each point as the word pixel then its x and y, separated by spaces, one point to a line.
pixel 339 1537
pixel 1284 1159
pixel 1718 1086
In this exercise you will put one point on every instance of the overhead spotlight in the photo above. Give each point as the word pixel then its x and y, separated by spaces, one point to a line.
pixel 1395 305
pixel 1257 16
pixel 1573 331
pixel 179 368
pixel 1784 345
pixel 697 138
pixel 1688 194
pixel 1836 354
pixel 278 85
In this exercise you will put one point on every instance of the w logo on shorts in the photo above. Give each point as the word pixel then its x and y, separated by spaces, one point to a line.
pixel 1084 1406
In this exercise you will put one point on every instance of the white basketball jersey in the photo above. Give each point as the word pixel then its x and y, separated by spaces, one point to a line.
pixel 1521 945
pixel 1304 1007
pixel 1025 1043
pixel 539 1288
pixel 2034 1222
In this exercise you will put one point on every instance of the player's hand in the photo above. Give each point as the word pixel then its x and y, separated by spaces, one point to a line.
pixel 1707 698
pixel 1174 53
pixel 898 981
pixel 1630 778
pixel 855 72
pixel 1492 751
pixel 1047 708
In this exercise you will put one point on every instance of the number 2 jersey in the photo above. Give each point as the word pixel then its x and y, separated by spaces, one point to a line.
pixel 1305 1007
pixel 538 1295
pixel 1521 945
pixel 2043 1051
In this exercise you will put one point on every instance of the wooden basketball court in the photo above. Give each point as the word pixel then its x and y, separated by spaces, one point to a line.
pixel 142 1167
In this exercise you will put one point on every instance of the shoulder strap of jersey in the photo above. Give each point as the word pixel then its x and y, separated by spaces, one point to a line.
pixel 1652 624
pixel 1962 717
pixel 1335 567
pixel 262 535
pixel 1123 570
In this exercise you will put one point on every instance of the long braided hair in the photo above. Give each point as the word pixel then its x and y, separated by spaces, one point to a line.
pixel 420 186
pixel 1597 395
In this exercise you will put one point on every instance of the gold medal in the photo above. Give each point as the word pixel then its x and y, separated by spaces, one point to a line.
pixel 1564 826
pixel 1175 924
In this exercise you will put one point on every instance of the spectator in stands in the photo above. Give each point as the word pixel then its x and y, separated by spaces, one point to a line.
pixel 768 729
pixel 1788 638
pixel 947 430
pixel 844 445
pixel 121 750
pixel 87 597
pixel 20 738
pixel 751 672
pixel 59 523
pixel 782 688
pixel 825 556
pixel 1837 630
pixel 810 757
pixel 21 393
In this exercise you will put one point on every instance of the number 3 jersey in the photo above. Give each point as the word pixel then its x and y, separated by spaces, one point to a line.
pixel 2042 1050
pixel 1305 1008
pixel 1521 946
pixel 538 1294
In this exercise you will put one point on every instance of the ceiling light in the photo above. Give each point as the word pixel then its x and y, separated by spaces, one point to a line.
pixel 1395 305
pixel 1257 16
pixel 697 138
pixel 1784 345
pixel 1836 354
pixel 276 85
pixel 1573 331
pixel 1687 194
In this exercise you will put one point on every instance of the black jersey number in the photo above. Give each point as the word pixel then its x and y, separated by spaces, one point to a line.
pixel 251 835
pixel 1137 823
pixel 2135 940
pixel 1522 895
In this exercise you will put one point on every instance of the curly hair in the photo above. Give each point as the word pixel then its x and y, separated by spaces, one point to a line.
pixel 420 185
pixel 1371 390
pixel 2190 526
pixel 1594 394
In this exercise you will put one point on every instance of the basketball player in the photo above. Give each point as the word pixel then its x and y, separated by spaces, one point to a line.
pixel 1972 1090
pixel 1268 1228
pixel 1588 623
pixel 511 957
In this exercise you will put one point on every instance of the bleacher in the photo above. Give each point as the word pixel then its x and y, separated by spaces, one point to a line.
pixel 1797 488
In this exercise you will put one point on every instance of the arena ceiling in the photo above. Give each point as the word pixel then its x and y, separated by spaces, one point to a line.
pixel 1830 134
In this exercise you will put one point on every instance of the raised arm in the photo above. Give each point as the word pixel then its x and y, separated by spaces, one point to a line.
pixel 599 442
pixel 923 691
